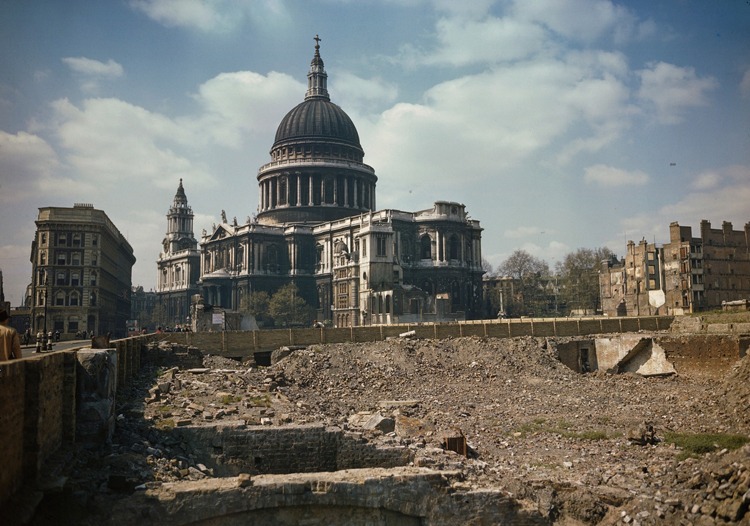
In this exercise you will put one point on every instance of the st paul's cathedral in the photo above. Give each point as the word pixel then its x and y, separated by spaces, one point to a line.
pixel 317 226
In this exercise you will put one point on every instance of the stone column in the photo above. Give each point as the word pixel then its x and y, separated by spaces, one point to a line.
pixel 299 189
pixel 310 191
pixel 346 191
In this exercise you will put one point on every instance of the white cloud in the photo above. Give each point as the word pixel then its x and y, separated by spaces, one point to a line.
pixel 727 200
pixel 109 141
pixel 358 94
pixel 489 40
pixel 582 20
pixel 245 102
pixel 487 124
pixel 212 16
pixel 196 14
pixel 28 164
pixel 91 72
pixel 706 181
pixel 610 176
pixel 672 89
pixel 88 66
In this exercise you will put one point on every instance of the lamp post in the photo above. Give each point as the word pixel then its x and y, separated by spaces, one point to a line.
pixel 41 344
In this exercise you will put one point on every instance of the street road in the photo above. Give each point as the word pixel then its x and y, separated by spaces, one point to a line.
pixel 28 350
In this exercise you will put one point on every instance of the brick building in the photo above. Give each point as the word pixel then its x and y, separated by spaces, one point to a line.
pixel 688 274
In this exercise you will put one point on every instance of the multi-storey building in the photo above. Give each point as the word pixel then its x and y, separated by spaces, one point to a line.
pixel 81 272
pixel 178 264
pixel 142 306
pixel 688 274
pixel 317 227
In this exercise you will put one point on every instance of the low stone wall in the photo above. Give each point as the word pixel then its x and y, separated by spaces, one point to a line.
pixel 233 448
pixel 37 415
pixel 393 497
pixel 38 403
pixel 243 343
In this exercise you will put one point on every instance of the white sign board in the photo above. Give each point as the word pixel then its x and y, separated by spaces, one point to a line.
pixel 217 318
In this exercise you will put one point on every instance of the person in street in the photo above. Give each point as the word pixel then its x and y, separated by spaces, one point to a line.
pixel 10 342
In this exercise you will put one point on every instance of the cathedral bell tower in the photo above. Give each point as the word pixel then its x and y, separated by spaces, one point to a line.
pixel 178 264
pixel 179 224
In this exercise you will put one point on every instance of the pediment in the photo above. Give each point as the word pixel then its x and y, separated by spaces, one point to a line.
pixel 221 232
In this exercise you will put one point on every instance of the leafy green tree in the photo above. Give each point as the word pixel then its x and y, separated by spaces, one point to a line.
pixel 579 277
pixel 257 305
pixel 159 315
pixel 287 307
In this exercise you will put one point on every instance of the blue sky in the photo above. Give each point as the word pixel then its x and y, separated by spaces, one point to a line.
pixel 560 124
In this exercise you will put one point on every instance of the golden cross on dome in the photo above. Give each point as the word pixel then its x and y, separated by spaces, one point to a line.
pixel 317 40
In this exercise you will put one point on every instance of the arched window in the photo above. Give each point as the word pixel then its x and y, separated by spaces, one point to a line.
pixel 425 247
pixel 74 299
pixel 60 298
pixel 92 299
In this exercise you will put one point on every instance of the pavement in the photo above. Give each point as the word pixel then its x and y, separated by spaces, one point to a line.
pixel 30 350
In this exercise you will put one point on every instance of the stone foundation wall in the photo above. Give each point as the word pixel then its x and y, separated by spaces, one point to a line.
pixel 38 404
pixel 368 497
pixel 233 448
pixel 244 343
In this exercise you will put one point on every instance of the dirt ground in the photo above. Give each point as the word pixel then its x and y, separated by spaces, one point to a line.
pixel 574 446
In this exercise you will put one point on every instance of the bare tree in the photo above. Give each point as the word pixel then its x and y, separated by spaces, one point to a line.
pixel 579 277
pixel 487 267
pixel 529 275
pixel 520 264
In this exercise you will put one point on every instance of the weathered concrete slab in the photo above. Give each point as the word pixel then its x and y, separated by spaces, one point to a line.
pixel 632 353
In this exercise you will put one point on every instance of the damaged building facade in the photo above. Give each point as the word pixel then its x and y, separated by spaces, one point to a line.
pixel 317 226
pixel 688 274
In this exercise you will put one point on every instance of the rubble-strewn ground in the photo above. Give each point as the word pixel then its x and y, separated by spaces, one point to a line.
pixel 560 440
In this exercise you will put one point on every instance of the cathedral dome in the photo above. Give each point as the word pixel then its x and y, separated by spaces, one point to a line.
pixel 316 171
pixel 319 119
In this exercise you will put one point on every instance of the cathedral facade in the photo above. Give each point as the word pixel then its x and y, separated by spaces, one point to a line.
pixel 317 226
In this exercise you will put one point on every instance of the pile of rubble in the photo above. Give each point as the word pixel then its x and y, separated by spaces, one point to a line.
pixel 584 449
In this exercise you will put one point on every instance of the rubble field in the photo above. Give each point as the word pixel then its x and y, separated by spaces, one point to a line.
pixel 591 448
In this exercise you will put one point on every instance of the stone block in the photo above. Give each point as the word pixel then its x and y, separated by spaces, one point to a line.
pixel 96 384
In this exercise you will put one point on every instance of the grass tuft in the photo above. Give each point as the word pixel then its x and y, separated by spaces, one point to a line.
pixel 695 444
